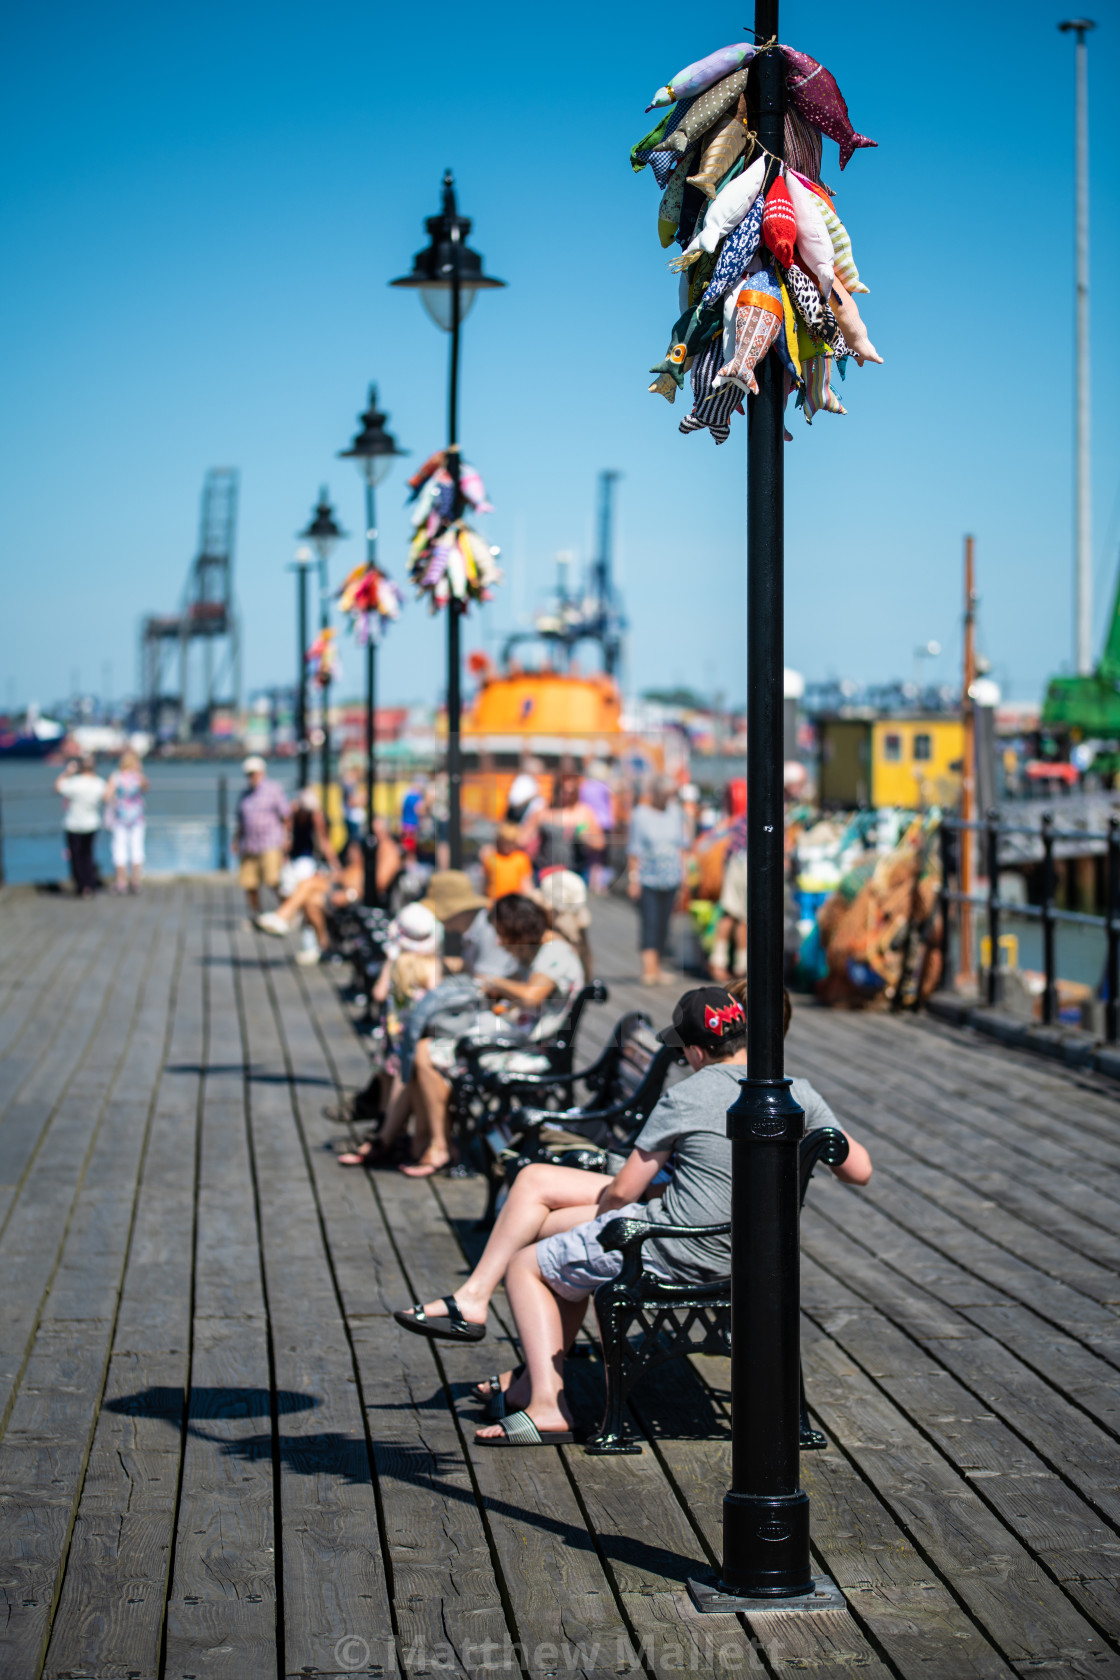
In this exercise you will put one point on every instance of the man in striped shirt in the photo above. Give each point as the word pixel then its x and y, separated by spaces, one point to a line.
pixel 262 832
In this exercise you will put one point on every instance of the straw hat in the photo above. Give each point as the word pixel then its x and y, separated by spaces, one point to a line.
pixel 416 930
pixel 450 894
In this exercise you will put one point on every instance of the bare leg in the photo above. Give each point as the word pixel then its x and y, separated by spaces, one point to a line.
pixel 543 1200
pixel 313 910
pixel 253 899
pixel 435 1094
pixel 121 882
pixel 543 1326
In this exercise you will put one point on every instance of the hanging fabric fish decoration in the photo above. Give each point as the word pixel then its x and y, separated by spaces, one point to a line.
pixel 851 324
pixel 711 410
pixel 815 96
pixel 844 262
pixel 759 318
pixel 727 143
pixel 779 223
pixel 725 212
pixel 801 147
pixel 699 77
pixel 642 150
pixel 669 210
pixel 813 243
pixel 738 249
pixel 703 113
pixel 819 394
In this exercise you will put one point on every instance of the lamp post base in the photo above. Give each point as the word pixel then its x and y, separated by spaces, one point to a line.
pixel 711 1598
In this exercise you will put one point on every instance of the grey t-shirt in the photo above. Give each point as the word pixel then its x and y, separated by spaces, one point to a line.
pixel 484 955
pixel 691 1120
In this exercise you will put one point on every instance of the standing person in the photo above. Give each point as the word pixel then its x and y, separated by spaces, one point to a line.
pixel 525 794
pixel 262 832
pixel 412 811
pixel 729 947
pixel 439 813
pixel 566 833
pixel 83 790
pixel 595 791
pixel 508 868
pixel 124 801
pixel 655 860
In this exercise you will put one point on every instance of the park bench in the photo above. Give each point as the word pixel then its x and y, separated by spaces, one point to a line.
pixel 645 1320
pixel 623 1086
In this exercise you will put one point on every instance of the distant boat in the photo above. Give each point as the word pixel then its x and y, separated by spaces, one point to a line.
pixel 38 738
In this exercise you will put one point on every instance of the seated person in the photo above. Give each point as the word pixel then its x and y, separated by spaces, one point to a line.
pixel 533 1007
pixel 412 968
pixel 508 868
pixel 545 1240
pixel 341 886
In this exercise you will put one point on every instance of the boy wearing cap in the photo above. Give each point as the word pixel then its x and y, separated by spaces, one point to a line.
pixel 550 1274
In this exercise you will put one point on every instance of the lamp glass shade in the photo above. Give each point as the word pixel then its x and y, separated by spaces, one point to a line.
pixel 373 468
pixel 437 301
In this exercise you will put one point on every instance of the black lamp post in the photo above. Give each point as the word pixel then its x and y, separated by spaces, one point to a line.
pixel 324 534
pixel 301 565
pixel 765 1512
pixel 448 275
pixel 372 452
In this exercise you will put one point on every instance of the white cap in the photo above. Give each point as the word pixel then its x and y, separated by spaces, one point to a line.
pixel 417 930
pixel 254 762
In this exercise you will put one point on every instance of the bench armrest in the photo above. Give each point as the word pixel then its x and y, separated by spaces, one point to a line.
pixel 629 1234
pixel 469 1049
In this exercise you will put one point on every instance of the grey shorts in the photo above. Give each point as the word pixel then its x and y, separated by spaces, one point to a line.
pixel 574 1265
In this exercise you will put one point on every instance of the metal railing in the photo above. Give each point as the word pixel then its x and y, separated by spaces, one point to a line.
pixel 1048 914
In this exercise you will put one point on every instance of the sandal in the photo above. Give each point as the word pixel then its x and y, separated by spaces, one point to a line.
pixel 521 1431
pixel 367 1154
pixel 453 1328
pixel 494 1403
pixel 424 1169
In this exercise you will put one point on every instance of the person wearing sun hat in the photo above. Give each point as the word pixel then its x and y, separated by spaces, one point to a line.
pixel 564 895
pixel 546 1244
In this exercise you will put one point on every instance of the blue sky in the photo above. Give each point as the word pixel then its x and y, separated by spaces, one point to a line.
pixel 202 207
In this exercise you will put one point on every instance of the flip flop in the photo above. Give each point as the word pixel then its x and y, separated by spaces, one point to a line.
pixel 495 1401
pixel 453 1328
pixel 370 1154
pixel 521 1431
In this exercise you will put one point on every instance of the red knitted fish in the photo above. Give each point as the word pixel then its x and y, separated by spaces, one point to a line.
pixel 779 224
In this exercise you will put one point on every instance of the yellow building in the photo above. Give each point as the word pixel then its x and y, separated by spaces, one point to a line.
pixel 911 760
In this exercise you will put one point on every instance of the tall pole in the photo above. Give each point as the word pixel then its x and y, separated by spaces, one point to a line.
pixel 1083 511
pixel 454 686
pixel 966 972
pixel 301 703
pixel 369 893
pixel 765 1512
pixel 325 691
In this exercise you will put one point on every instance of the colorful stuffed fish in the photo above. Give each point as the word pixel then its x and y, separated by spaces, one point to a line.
pixel 814 95
pixel 371 599
pixel 642 150
pixel 727 142
pixel 322 656
pixel 711 409
pixel 851 324
pixel 736 252
pixel 726 211
pixel 703 113
pixel 843 260
pixel 813 242
pixel 802 146
pixel 779 223
pixel 699 77
pixel 819 394
pixel 669 210
pixel 806 298
pixel 759 319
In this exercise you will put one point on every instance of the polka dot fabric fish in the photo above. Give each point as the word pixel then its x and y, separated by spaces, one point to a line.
pixel 766 263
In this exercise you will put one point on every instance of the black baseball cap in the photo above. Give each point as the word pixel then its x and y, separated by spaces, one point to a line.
pixel 707 1018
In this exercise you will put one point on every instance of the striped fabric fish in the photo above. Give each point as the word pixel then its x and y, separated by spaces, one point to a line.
pixel 711 409
pixel 843 261
pixel 819 394
pixel 728 142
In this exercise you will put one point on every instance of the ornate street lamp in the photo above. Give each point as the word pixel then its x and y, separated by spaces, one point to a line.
pixel 324 534
pixel 373 452
pixel 449 276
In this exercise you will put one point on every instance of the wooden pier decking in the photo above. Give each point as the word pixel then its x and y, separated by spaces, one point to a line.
pixel 220 1457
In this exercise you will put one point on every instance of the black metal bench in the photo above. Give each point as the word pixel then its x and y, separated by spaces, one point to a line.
pixel 675 1319
pixel 623 1086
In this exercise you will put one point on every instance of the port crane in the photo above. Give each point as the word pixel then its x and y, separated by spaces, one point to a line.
pixel 207 616
pixel 595 616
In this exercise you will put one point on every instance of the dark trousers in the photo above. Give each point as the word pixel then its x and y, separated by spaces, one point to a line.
pixel 654 909
pixel 82 866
